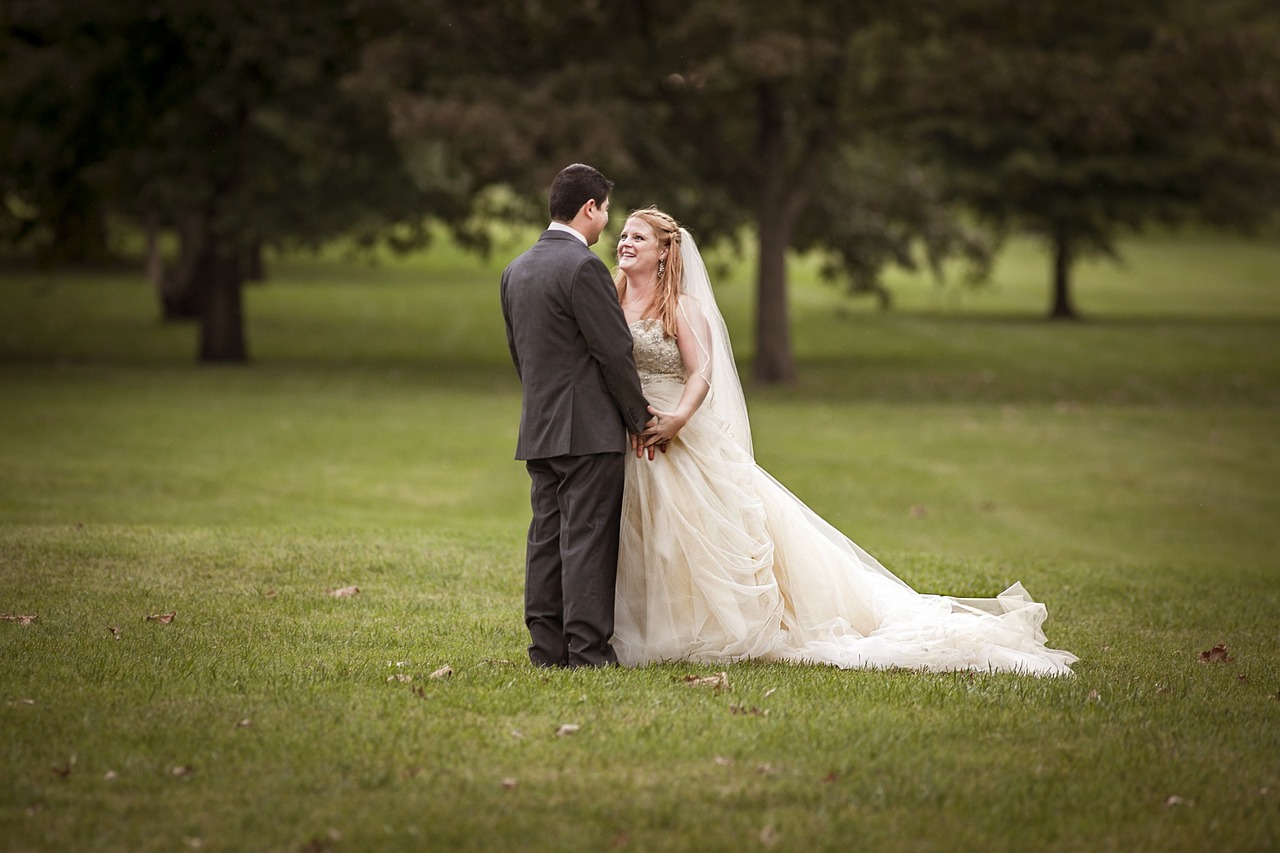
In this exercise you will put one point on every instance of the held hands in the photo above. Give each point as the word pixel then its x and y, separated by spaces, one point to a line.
pixel 658 432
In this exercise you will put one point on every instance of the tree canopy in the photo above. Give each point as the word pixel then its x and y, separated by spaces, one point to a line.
pixel 865 131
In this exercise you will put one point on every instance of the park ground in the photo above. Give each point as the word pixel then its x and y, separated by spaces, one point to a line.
pixel 1124 468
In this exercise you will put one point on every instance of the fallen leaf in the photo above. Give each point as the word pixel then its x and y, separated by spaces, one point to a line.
pixel 1175 800
pixel 344 592
pixel 719 681
pixel 770 836
pixel 183 770
pixel 509 783
pixel 1093 696
pixel 270 593
pixel 193 842
pixel 770 692
pixel 21 619
pixel 1162 688
pixel 516 733
pixel 567 729
pixel 63 770
pixel 399 676
pixel 766 769
pixel 443 672
pixel 244 724
pixel 115 631
pixel 833 776
pixel 752 711
pixel 1217 654
pixel 723 761
pixel 162 618
pixel 111 775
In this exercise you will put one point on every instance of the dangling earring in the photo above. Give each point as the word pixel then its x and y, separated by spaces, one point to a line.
pixel 662 266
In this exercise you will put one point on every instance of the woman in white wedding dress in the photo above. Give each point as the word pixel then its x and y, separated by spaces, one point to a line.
pixel 718 561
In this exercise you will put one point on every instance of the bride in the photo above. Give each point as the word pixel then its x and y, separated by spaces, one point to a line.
pixel 718 561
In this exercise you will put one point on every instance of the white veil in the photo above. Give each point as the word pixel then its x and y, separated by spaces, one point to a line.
pixel 725 398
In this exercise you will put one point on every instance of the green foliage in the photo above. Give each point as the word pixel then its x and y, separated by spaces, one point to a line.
pixel 1124 469
pixel 1077 122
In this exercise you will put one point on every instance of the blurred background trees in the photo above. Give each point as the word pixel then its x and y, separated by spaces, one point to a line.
pixel 868 133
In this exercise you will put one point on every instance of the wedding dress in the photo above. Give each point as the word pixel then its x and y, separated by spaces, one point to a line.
pixel 719 562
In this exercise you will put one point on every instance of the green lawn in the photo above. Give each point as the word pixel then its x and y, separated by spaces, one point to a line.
pixel 1124 468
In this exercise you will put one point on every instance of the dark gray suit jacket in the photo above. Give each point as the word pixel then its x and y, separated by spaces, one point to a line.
pixel 572 349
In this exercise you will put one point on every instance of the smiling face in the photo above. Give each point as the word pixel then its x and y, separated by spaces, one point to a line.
pixel 639 250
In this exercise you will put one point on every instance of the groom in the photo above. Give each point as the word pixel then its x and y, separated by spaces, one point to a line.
pixel 581 396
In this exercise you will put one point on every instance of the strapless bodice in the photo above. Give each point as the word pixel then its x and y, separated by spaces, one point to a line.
pixel 656 355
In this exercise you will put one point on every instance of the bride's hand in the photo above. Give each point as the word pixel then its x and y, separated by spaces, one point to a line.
pixel 658 433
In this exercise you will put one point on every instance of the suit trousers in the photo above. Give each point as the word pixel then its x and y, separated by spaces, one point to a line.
pixel 571 560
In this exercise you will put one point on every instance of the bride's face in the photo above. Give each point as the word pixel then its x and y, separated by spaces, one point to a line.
pixel 639 250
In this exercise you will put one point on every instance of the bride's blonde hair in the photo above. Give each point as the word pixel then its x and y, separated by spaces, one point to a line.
pixel 671 279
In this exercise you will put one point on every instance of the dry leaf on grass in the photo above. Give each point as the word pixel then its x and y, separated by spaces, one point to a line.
pixel 509 783
pixel 399 676
pixel 752 711
pixel 443 672
pixel 770 836
pixel 162 618
pixel 344 592
pixel 182 771
pixel 244 724
pixel 833 776
pixel 567 729
pixel 20 618
pixel 63 770
pixel 724 761
pixel 270 593
pixel 719 681
pixel 1175 800
pixel 115 631
pixel 1217 654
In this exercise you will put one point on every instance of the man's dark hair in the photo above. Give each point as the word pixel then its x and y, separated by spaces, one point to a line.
pixel 574 187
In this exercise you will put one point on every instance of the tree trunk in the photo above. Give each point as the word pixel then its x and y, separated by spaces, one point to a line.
pixel 254 270
pixel 179 292
pixel 778 204
pixel 219 281
pixel 1063 309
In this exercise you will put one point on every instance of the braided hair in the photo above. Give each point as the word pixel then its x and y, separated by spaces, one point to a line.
pixel 670 268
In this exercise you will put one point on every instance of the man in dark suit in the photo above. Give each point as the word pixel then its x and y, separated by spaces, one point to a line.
pixel 581 396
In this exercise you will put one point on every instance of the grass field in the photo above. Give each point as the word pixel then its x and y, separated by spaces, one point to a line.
pixel 1124 468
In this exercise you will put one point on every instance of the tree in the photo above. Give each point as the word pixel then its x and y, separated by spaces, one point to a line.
pixel 732 113
pixel 766 114
pixel 227 121
pixel 1079 121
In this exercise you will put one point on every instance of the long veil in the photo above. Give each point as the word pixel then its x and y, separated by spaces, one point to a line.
pixel 725 398
pixel 915 629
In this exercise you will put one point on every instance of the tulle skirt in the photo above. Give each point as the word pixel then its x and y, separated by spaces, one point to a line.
pixel 719 562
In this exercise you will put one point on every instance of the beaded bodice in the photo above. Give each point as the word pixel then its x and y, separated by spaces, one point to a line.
pixel 656 355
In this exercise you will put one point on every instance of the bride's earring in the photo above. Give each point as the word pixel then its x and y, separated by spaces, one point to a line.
pixel 662 266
